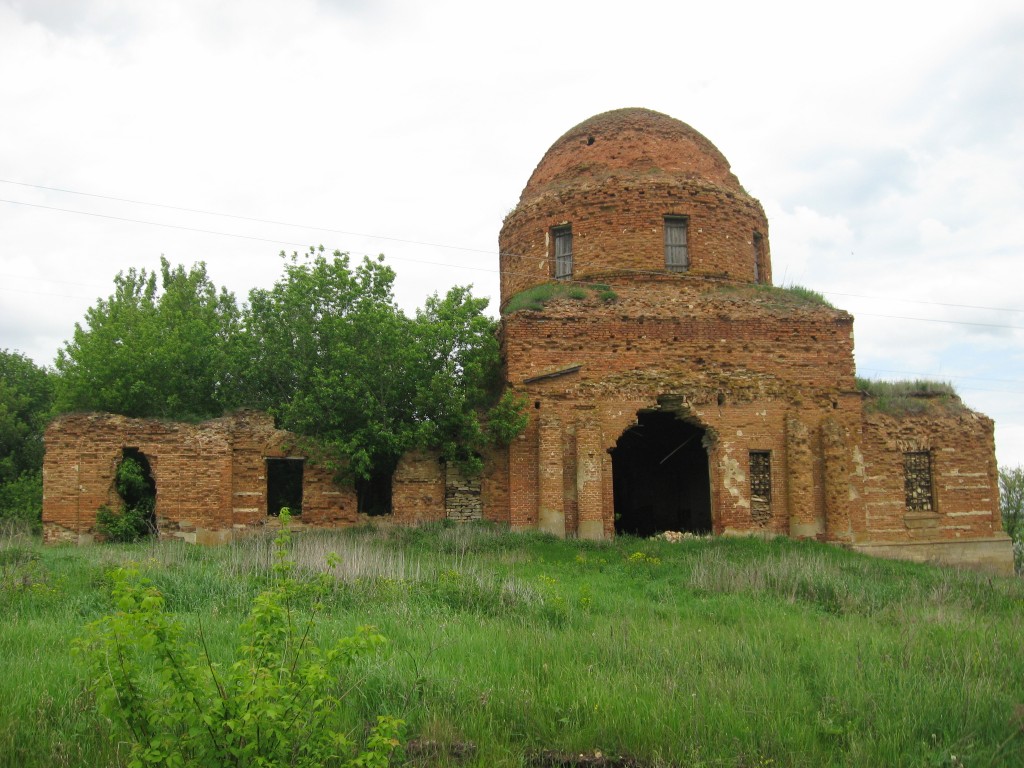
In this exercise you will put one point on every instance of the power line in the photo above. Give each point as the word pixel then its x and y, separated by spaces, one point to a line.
pixel 234 216
pixel 423 261
pixel 937 320
pixel 259 220
pixel 918 301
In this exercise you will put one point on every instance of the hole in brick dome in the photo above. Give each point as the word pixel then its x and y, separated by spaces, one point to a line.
pixel 721 398
pixel 536 404
pixel 590 140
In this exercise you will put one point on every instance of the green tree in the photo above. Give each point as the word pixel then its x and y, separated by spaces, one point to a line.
pixel 328 352
pixel 457 373
pixel 1011 502
pixel 152 353
pixel 26 400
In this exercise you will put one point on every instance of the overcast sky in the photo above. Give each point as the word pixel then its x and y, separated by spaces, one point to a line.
pixel 884 139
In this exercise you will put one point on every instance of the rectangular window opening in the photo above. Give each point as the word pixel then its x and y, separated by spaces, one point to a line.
pixel 563 252
pixel 758 258
pixel 284 486
pixel 917 481
pixel 760 485
pixel 677 255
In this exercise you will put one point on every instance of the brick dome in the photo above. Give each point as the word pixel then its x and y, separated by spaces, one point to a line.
pixel 638 143
pixel 632 194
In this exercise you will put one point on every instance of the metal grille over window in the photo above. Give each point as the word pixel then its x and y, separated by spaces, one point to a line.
pixel 917 480
pixel 563 253
pixel 677 257
pixel 760 485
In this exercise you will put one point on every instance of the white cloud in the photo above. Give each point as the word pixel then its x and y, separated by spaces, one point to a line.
pixel 889 156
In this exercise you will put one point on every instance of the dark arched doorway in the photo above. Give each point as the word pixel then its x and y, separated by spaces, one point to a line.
pixel 660 476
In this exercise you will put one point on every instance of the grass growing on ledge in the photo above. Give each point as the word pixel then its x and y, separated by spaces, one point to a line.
pixel 708 652
pixel 538 296
pixel 808 295
pixel 797 294
pixel 906 398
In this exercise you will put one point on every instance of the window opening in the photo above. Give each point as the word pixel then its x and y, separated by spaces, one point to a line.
pixel 760 485
pixel 373 494
pixel 563 252
pixel 284 486
pixel 677 255
pixel 758 258
pixel 917 480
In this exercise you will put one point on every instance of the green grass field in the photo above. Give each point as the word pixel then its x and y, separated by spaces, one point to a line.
pixel 521 650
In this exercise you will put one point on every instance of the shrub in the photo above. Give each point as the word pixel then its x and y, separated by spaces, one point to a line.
pixel 21 499
pixel 126 526
pixel 279 703
pixel 135 520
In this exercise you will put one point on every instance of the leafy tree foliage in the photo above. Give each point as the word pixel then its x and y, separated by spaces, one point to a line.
pixel 148 352
pixel 326 350
pixel 457 373
pixel 26 399
pixel 1011 502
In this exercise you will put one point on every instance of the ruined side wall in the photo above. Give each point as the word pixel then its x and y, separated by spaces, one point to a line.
pixel 965 479
pixel 191 469
pixel 427 489
pixel 417 488
pixel 210 477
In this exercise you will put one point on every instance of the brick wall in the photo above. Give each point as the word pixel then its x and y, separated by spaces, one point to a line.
pixel 615 228
pixel 210 477
pixel 965 479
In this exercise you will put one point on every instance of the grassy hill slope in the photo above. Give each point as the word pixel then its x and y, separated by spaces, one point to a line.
pixel 517 650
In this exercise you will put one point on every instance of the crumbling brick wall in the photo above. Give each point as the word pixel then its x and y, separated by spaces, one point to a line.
pixel 965 477
pixel 758 371
pixel 210 477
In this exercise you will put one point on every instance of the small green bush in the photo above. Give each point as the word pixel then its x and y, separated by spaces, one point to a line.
pixel 135 520
pixel 128 525
pixel 279 703
pixel 21 500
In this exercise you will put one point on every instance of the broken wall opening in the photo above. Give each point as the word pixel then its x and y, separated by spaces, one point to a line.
pixel 134 483
pixel 284 486
pixel 660 477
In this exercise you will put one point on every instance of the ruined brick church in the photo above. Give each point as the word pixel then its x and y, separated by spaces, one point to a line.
pixel 669 386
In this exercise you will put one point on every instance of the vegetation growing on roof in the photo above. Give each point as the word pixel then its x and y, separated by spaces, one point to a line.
pixel 796 295
pixel 905 398
pixel 780 296
pixel 538 296
pixel 807 295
